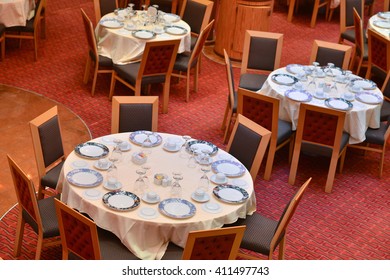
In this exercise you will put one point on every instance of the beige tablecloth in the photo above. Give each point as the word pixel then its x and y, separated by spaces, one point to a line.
pixel 122 47
pixel 16 12
pixel 383 31
pixel 357 120
pixel 148 239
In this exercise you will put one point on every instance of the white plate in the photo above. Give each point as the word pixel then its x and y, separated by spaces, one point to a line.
pixel 144 34
pixel 212 207
pixel 176 30
pixel 205 198
pixel 117 186
pixel 201 145
pixel 295 69
pixel 213 179
pixel 284 79
pixel 138 137
pixel 147 200
pixel 338 103
pixel 111 23
pixel 369 98
pixel 147 213
pixel 228 167
pixel 382 24
pixel 298 95
pixel 91 150
pixel 80 164
pixel 84 177
pixel 171 17
pixel 363 83
pixel 177 208
pixel 230 194
pixel 384 15
pixel 121 200
pixel 92 194
pixel 240 183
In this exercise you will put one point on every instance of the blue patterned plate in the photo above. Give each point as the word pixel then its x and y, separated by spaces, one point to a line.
pixel 138 137
pixel 84 177
pixel 295 69
pixel 111 23
pixel 384 15
pixel 171 17
pixel 121 200
pixel 369 98
pixel 228 167
pixel 230 194
pixel 175 30
pixel 299 95
pixel 382 24
pixel 201 145
pixel 144 34
pixel 339 104
pixel 91 150
pixel 284 79
pixel 177 208
pixel 363 83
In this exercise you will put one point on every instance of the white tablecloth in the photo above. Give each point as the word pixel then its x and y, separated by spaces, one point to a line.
pixel 383 31
pixel 357 120
pixel 119 44
pixel 16 12
pixel 148 239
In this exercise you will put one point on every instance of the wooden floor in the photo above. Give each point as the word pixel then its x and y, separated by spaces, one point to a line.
pixel 17 108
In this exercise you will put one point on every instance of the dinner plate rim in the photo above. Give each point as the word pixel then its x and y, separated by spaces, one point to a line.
pixel 121 24
pixel 143 30
pixel 308 94
pixel 273 78
pixel 135 197
pixel 350 105
pixel 133 134
pixel 358 97
pixel 173 200
pixel 214 167
pixel 373 84
pixel 176 26
pixel 244 193
pixel 99 177
pixel 106 150
pixel 211 145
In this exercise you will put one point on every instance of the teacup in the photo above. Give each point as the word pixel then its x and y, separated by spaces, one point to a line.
pixel 348 95
pixel 103 163
pixel 356 88
pixel 170 144
pixel 111 182
pixel 123 145
pixel 158 29
pixel 220 177
pixel 298 85
pixel 199 193
pixel 151 196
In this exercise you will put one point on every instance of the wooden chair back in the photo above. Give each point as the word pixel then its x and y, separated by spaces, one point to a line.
pixel 324 52
pixel 167 6
pixel 346 13
pixel 214 244
pixel 90 32
pixel 359 41
pixel 197 51
pixel 132 113
pixel 103 7
pixel 378 53
pixel 78 233
pixel 262 51
pixel 322 127
pixel 255 138
pixel 197 14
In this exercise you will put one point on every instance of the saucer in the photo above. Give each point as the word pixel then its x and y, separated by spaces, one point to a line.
pixel 212 207
pixel 240 183
pixel 96 165
pixel 205 198
pixel 79 164
pixel 213 179
pixel 127 148
pixel 117 186
pixel 92 194
pixel 147 213
pixel 325 96
pixel 352 98
pixel 147 200
pixel 171 149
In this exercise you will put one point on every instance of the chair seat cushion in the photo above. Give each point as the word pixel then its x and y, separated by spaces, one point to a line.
pixel 28 28
pixel 284 131
pixel 252 81
pixel 181 62
pixel 377 136
pixel 348 35
pixel 129 73
pixel 317 150
pixel 105 61
pixel 385 111
pixel 51 178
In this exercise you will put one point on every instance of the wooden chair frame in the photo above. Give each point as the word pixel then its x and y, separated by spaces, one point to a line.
pixel 238 231
pixel 282 228
pixel 386 5
pixel 339 47
pixel 373 54
pixel 206 17
pixel 229 116
pixel 92 228
pixel 98 13
pixel 265 138
pixel 247 42
pixel 137 87
pixel 273 147
pixel 336 153
pixel 173 8
pixel 36 26
pixel 358 50
pixel 293 6
pixel 34 128
pixel 343 18
pixel 33 211
pixel 2 42
pixel 92 49
pixel 118 100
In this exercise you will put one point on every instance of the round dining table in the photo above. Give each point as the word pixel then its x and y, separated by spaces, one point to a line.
pixel 362 111
pixel 150 222
pixel 16 12
pixel 124 40
pixel 380 22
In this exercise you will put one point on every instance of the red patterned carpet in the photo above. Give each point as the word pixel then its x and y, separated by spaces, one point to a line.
pixel 353 222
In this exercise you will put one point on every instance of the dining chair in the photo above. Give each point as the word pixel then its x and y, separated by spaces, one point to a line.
pixel 210 244
pixel 369 5
pixel 39 214
pixel 49 150
pixel 103 7
pixel 386 5
pixel 197 14
pixel 30 31
pixel 347 31
pixel 185 62
pixel 320 133
pixel 2 40
pixel 132 113
pixel 167 6
pixel 360 51
pixel 231 106
pixel 155 66
pixel 82 239
pixel 255 138
pixel 43 19
pixel 261 53
pixel 376 140
pixel 101 64
pixel 264 110
pixel 318 4
pixel 263 235
pixel 326 52
pixel 379 66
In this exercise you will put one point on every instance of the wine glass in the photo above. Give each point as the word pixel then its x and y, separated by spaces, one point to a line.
pixel 192 160
pixel 328 71
pixel 140 185
pixel 183 153
pixel 146 168
pixel 205 167
pixel 147 143
pixel 176 187
pixel 115 155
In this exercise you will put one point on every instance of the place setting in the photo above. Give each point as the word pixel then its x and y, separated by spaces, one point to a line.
pixel 144 34
pixel 230 168
pixel 84 177
pixel 339 104
pixel 91 150
pixel 111 23
pixel 121 200
pixel 284 79
pixel 201 145
pixel 140 136
pixel 230 194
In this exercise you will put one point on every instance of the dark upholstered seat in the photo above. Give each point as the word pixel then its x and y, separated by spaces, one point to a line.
pixel 263 235
pixel 129 72
pixel 261 52
pixel 39 214
pixel 385 110
pixel 48 148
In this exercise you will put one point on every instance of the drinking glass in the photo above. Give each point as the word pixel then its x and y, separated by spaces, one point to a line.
pixel 176 187
pixel 192 160
pixel 115 155
pixel 140 185
pixel 147 143
pixel 183 152
pixel 146 168
pixel 205 167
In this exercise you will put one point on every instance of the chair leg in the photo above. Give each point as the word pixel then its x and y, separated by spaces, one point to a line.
pixel 188 85
pixel 294 164
pixel 227 127
pixel 315 12
pixel 19 234
pixel 223 126
pixel 282 247
pixel 382 162
pixel 95 73
pixel 3 48
pixel 36 45
pixel 39 246
pixel 196 76
pixel 87 69
pixel 112 86
pixel 331 172
pixel 270 160
pixel 165 102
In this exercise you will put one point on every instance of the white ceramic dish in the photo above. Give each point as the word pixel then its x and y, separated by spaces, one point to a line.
pixel 92 194
pixel 213 178
pixel 148 213
pixel 212 207
pixel 205 198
